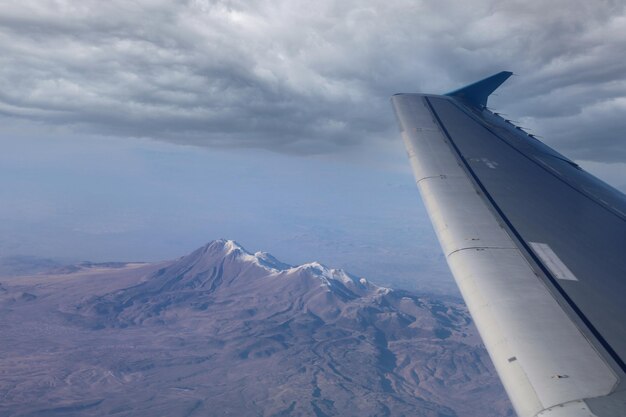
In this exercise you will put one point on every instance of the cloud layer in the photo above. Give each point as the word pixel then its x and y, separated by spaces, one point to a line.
pixel 309 77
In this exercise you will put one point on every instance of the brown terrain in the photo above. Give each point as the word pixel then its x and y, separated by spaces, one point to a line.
pixel 223 332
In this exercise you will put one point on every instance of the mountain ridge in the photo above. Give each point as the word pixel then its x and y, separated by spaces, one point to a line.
pixel 224 329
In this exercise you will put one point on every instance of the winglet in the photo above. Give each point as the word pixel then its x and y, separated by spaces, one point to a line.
pixel 477 93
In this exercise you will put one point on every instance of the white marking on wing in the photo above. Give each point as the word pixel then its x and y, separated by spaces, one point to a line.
pixel 552 261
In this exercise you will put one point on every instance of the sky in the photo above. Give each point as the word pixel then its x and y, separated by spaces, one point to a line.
pixel 139 130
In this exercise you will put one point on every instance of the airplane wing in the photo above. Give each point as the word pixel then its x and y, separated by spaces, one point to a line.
pixel 536 245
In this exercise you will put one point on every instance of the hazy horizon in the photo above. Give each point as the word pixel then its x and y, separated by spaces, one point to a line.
pixel 142 131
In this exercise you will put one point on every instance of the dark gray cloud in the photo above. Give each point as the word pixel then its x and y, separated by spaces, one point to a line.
pixel 305 77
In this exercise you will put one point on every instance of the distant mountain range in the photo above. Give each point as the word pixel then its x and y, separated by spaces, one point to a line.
pixel 223 332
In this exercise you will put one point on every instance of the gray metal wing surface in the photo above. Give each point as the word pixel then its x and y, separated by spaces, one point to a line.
pixel 537 247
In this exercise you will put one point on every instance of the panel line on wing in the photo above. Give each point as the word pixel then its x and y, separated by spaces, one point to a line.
pixel 480 248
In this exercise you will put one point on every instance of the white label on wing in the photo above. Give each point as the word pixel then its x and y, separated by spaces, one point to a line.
pixel 552 261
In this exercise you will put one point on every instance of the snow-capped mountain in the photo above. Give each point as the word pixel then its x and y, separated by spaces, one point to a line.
pixel 223 331
pixel 224 269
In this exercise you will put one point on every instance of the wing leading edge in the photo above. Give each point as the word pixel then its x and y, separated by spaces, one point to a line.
pixel 536 246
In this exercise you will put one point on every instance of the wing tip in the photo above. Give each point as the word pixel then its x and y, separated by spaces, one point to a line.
pixel 478 93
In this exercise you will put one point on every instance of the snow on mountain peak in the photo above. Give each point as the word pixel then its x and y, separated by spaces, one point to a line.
pixel 268 261
pixel 327 275
pixel 330 275
pixel 227 247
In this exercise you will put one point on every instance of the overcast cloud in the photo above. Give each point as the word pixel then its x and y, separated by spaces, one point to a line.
pixel 307 77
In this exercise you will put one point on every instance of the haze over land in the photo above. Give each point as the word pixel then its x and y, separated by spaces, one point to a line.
pixel 225 332
pixel 281 108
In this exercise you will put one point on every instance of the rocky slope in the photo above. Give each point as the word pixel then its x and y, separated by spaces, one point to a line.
pixel 228 333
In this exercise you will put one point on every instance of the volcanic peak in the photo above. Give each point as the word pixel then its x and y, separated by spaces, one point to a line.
pixel 229 248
